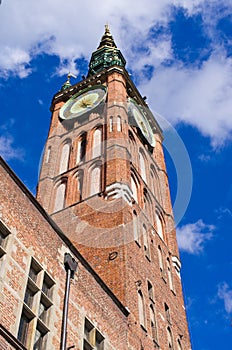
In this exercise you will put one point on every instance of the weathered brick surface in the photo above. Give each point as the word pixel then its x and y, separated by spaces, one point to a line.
pixel 38 239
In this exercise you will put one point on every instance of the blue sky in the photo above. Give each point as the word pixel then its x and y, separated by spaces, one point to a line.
pixel 179 54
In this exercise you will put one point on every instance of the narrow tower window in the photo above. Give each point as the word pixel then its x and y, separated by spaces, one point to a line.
pixel 150 290
pixel 111 124
pixel 160 257
pixel 142 317
pixel 97 142
pixel 170 339
pixel 48 154
pixel 134 189
pixel 81 148
pixel 64 158
pixel 169 275
pixel 159 226
pixel 60 196
pixel 79 186
pixel 142 166
pixel 153 323
pixel 135 227
pixel 119 123
pixel 95 186
pixel 145 242
pixel 167 312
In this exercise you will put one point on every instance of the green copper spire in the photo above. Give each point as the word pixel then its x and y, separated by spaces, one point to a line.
pixel 106 55
pixel 67 84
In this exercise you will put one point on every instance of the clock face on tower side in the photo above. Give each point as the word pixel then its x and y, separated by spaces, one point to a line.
pixel 83 102
pixel 142 121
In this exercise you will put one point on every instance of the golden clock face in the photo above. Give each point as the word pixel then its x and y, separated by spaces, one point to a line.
pixel 83 102
pixel 142 122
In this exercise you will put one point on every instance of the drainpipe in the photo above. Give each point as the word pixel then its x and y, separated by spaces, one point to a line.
pixel 70 266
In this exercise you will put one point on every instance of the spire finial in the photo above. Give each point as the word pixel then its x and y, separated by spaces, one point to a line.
pixel 67 84
pixel 107 28
pixel 107 39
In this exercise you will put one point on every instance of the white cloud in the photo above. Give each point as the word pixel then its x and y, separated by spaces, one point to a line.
pixel 200 96
pixel 192 237
pixel 7 149
pixel 225 294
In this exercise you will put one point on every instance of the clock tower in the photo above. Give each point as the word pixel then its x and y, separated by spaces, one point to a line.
pixel 103 180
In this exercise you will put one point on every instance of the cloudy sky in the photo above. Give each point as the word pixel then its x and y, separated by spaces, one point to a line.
pixel 179 54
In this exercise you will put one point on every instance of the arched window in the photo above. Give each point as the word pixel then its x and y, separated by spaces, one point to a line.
pixel 111 124
pixel 170 339
pixel 81 148
pixel 150 290
pixel 145 242
pixel 64 159
pixel 60 196
pixel 131 137
pixel 48 154
pixel 155 187
pixel 142 166
pixel 147 203
pixel 135 227
pixel 134 189
pixel 160 258
pixel 167 312
pixel 159 226
pixel 153 323
pixel 142 317
pixel 97 143
pixel 95 180
pixel 79 185
pixel 169 274
pixel 119 123
pixel 152 183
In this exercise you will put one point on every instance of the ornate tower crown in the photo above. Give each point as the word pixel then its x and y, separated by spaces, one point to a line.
pixel 106 55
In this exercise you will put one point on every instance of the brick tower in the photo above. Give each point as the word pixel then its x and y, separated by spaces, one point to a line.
pixel 103 180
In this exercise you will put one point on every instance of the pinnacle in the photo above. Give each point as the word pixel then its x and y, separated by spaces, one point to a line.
pixel 107 39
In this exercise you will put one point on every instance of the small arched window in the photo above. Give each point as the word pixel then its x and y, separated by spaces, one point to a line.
pixel 60 197
pixel 95 180
pixel 169 274
pixel 153 323
pixel 81 148
pixel 155 187
pixel 147 203
pixel 48 154
pixel 145 242
pixel 97 142
pixel 142 317
pixel 111 124
pixel 142 166
pixel 119 123
pixel 134 189
pixel 135 227
pixel 131 137
pixel 150 290
pixel 64 159
pixel 170 339
pixel 160 258
pixel 79 185
pixel 159 226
